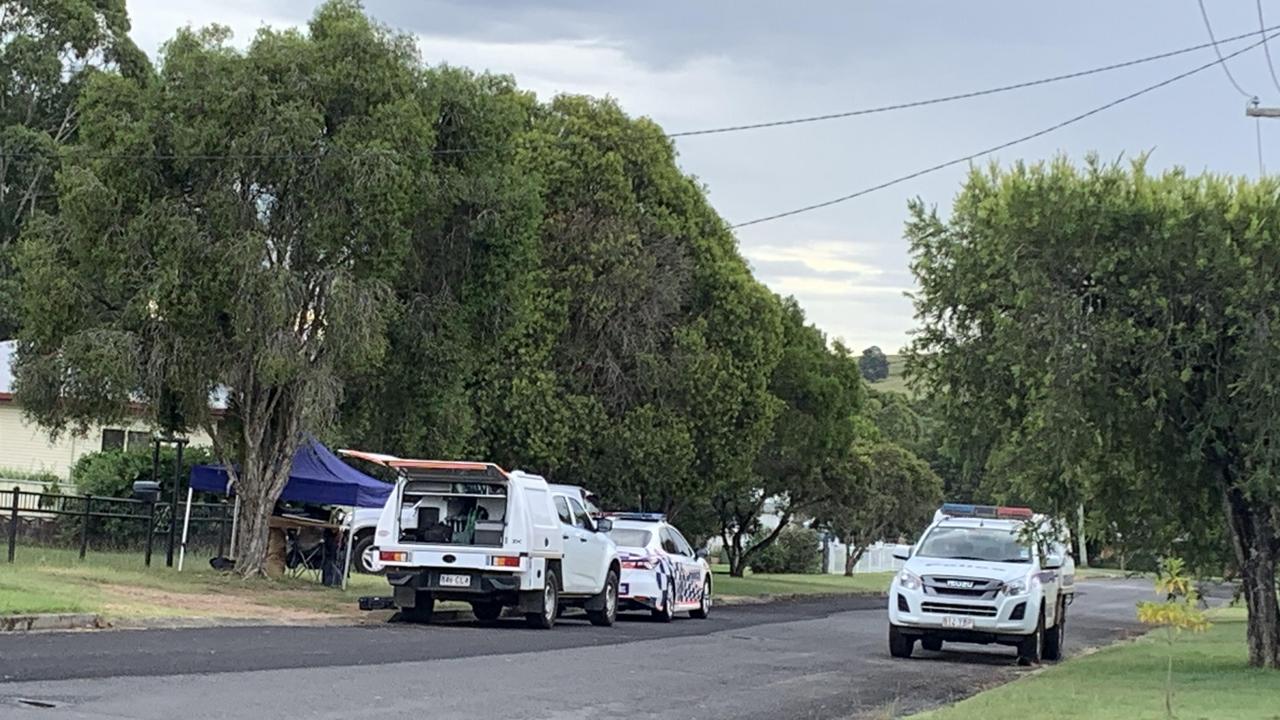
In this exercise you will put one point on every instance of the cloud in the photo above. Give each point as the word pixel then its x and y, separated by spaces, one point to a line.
pixel 823 257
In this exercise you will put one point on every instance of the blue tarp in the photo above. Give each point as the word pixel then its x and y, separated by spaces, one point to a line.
pixel 317 476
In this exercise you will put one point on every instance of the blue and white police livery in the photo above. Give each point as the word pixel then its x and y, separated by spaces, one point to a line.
pixel 974 577
pixel 661 572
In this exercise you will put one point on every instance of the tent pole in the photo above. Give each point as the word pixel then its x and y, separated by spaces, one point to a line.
pixel 235 518
pixel 351 524
pixel 186 524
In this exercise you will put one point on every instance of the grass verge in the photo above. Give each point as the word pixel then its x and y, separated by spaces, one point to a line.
pixel 118 585
pixel 1210 679
pixel 781 585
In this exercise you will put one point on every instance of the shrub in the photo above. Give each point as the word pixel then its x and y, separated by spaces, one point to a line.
pixel 795 551
pixel 111 473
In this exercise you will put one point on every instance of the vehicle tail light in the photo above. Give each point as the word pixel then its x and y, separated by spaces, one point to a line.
pixel 505 561
pixel 393 556
pixel 645 563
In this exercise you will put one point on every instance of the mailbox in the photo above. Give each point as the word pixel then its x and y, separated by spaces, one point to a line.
pixel 148 490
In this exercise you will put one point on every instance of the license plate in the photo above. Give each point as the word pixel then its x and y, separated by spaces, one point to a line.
pixel 957 623
pixel 455 580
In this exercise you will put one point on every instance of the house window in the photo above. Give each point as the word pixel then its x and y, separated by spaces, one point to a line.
pixel 112 439
pixel 139 441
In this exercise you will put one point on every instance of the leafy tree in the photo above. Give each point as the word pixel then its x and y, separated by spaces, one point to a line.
pixel 48 51
pixel 1101 334
pixel 873 364
pixel 796 551
pixel 233 222
pixel 893 493
pixel 820 393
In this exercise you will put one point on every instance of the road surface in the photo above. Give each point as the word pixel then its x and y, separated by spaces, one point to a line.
pixel 822 658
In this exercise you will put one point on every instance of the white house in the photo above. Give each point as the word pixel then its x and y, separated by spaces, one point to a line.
pixel 26 449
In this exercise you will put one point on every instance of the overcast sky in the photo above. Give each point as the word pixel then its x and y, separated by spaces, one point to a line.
pixel 691 65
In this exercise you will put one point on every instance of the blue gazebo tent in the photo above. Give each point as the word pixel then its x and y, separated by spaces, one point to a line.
pixel 316 476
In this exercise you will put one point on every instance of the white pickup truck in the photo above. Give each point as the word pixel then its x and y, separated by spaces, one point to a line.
pixel 973 578
pixel 474 532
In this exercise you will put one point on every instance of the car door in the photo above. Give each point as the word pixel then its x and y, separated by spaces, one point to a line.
pixel 673 560
pixel 595 547
pixel 574 565
pixel 691 578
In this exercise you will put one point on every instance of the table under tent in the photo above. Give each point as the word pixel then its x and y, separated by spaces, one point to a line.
pixel 316 477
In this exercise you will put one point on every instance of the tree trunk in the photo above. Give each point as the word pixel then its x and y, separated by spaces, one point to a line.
pixel 737 561
pixel 1253 535
pixel 853 553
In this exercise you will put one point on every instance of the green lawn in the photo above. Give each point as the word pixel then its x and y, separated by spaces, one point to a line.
pixel 1211 680
pixel 782 585
pixel 119 585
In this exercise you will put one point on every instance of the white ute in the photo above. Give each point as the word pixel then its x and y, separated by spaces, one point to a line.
pixel 971 578
pixel 473 532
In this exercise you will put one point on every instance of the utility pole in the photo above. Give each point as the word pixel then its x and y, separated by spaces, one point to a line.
pixel 1257 112
pixel 1084 550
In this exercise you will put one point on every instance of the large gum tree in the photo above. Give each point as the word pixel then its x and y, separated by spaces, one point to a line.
pixel 228 225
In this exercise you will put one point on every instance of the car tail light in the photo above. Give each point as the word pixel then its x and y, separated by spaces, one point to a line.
pixel 393 556
pixel 644 563
pixel 504 561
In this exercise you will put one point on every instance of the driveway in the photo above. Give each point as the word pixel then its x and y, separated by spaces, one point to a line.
pixel 821 658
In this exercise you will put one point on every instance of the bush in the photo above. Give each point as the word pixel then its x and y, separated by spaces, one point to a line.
pixel 111 473
pixel 795 551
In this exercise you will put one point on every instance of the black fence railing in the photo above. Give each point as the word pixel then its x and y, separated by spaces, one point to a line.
pixel 93 523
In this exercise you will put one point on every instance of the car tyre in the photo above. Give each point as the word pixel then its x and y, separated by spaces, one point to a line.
pixel 362 553
pixel 900 645
pixel 545 618
pixel 1030 649
pixel 1056 636
pixel 424 606
pixel 932 644
pixel 486 611
pixel 608 597
pixel 704 607
pixel 667 612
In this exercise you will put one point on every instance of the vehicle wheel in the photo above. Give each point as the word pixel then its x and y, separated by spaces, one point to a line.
pixel 931 644
pixel 424 606
pixel 704 609
pixel 486 611
pixel 1055 638
pixel 1029 649
pixel 545 619
pixel 667 612
pixel 607 615
pixel 363 554
pixel 900 646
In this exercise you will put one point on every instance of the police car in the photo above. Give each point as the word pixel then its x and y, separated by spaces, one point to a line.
pixel 661 572
pixel 972 578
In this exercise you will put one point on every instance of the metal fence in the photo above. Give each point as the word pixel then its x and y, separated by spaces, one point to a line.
pixel 91 523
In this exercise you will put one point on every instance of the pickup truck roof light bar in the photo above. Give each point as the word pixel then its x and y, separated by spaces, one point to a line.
pixel 987 512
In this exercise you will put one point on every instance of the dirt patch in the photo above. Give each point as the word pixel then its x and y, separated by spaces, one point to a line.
pixel 132 601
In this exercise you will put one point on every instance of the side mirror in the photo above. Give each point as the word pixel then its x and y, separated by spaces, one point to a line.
pixel 1052 562
pixel 604 525
pixel 701 554
pixel 902 552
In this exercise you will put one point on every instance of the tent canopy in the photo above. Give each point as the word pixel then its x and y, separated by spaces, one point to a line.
pixel 317 476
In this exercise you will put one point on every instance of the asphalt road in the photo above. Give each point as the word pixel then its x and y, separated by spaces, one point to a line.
pixel 822 658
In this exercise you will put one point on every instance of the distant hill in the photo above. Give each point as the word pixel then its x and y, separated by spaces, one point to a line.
pixel 895 382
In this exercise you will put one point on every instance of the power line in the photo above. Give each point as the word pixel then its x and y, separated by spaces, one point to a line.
pixel 690 133
pixel 977 93
pixel 1207 26
pixel 1267 48
pixel 973 156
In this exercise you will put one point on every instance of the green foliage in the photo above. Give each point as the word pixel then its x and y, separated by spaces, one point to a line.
pixel 111 473
pixel 796 551
pixel 1105 336
pixel 873 364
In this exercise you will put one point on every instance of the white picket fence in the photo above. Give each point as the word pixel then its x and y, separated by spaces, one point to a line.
pixel 877 558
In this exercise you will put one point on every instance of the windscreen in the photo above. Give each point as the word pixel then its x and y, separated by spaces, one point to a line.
pixel 629 537
pixel 975 543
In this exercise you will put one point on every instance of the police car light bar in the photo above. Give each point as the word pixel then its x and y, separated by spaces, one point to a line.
pixel 642 516
pixel 986 511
